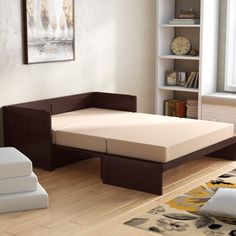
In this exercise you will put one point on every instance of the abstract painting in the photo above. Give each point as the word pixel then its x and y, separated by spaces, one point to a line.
pixel 49 30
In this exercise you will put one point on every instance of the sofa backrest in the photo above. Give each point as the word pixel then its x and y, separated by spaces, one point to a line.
pixel 60 104
pixel 81 101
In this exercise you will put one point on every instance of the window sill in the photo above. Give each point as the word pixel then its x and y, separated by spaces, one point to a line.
pixel 218 98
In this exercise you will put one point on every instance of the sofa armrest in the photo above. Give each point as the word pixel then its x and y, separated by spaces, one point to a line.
pixel 29 130
pixel 113 101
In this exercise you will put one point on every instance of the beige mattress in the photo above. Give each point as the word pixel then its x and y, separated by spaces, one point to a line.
pixel 93 135
pixel 137 135
pixel 170 140
pixel 81 117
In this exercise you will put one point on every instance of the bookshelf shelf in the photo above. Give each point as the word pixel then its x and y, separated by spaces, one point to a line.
pixel 186 57
pixel 180 25
pixel 179 88
pixel 203 37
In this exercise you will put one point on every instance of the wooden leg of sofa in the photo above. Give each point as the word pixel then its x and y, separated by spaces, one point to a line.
pixel 132 173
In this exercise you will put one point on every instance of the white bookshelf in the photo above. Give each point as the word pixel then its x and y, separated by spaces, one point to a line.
pixel 182 25
pixel 203 36
pixel 179 88
pixel 185 57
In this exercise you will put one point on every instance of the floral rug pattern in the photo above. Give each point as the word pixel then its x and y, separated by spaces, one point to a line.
pixel 181 216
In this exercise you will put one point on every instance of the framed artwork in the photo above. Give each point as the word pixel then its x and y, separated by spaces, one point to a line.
pixel 48 30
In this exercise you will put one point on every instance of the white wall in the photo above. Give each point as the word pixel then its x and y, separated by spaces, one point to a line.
pixel 115 51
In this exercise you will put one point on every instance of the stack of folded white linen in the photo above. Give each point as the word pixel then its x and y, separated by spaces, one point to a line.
pixel 19 187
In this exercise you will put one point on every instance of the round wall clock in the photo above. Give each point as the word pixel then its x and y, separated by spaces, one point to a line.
pixel 180 45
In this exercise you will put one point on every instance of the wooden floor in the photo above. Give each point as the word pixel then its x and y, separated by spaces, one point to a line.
pixel 81 205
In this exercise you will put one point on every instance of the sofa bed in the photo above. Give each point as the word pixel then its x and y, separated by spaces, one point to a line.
pixel 135 148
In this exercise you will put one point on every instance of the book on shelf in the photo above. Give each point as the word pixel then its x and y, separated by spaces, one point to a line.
pixel 173 107
pixel 184 21
pixel 192 108
pixel 182 79
pixel 196 82
pixel 192 80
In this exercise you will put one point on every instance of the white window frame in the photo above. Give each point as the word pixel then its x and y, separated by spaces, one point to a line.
pixel 230 54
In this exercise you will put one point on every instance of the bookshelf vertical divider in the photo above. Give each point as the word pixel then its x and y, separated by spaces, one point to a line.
pixel 203 36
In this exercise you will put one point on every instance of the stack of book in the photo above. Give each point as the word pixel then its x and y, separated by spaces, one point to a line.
pixel 192 109
pixel 175 108
pixel 192 80
pixel 181 21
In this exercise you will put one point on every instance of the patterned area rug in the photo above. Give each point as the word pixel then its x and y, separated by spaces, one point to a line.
pixel 181 215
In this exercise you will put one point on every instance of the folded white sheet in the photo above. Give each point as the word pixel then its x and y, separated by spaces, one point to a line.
pixel 13 163
pixel 18 184
pixel 24 201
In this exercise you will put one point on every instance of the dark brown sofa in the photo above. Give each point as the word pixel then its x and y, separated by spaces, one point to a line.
pixel 27 126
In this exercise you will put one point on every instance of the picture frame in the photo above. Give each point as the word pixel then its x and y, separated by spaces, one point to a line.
pixel 181 78
pixel 48 28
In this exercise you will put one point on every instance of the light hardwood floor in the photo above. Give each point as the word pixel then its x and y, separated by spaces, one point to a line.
pixel 81 205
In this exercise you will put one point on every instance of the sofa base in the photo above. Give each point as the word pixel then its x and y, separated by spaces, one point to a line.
pixel 228 153
pixel 131 173
pixel 62 155
pixel 147 176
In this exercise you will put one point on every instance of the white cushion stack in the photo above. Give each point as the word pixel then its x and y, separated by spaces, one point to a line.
pixel 19 187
